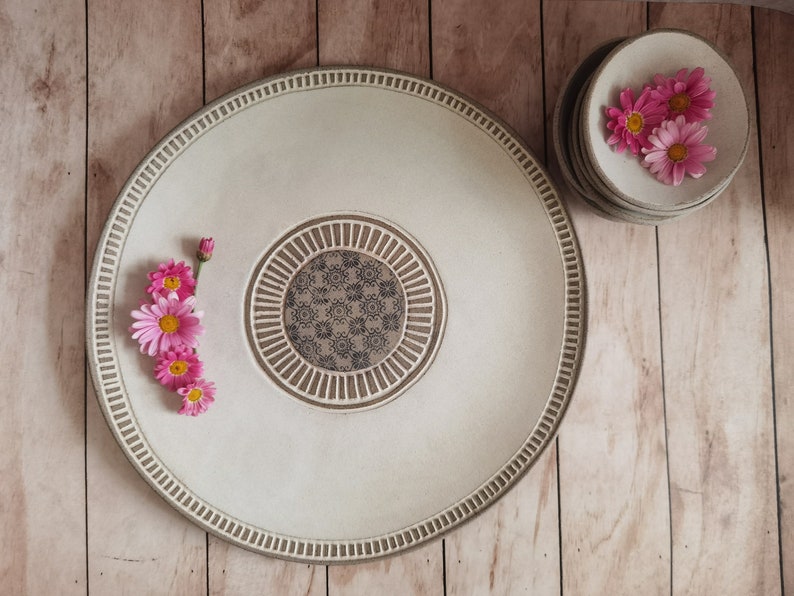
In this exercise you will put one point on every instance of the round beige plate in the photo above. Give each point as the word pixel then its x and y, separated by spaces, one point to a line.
pixel 394 313
pixel 635 62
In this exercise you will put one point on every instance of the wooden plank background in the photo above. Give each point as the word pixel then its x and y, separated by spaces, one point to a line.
pixel 673 471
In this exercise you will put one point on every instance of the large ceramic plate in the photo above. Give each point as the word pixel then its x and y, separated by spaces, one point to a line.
pixel 315 184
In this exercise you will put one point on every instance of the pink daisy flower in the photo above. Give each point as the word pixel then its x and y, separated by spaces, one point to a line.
pixel 196 397
pixel 167 324
pixel 634 120
pixel 172 277
pixel 689 96
pixel 176 368
pixel 676 150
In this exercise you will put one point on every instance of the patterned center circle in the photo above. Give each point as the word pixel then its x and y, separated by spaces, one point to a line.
pixel 344 311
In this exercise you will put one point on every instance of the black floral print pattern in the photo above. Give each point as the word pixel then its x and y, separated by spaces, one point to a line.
pixel 344 311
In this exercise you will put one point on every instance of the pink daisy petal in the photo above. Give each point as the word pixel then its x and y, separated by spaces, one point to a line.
pixel 696 136
pixel 659 165
pixel 703 153
pixel 699 114
pixel 695 76
pixel 634 122
pixel 686 94
pixel 626 99
pixel 678 173
pixel 196 397
pixel 166 325
pixel 665 172
pixel 694 168
pixel 664 137
pixel 655 156
pixel 172 277
pixel 176 368
pixel 677 151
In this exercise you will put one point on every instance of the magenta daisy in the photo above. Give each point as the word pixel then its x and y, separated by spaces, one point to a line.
pixel 634 120
pixel 172 277
pixel 685 95
pixel 167 324
pixel 676 149
pixel 176 368
pixel 196 397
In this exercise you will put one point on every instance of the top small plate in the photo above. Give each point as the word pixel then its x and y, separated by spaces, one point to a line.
pixel 635 62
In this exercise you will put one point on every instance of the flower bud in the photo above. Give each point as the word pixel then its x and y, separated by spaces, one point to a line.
pixel 206 246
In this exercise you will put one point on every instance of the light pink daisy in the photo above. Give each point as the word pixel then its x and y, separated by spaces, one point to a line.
pixel 634 120
pixel 167 324
pixel 677 150
pixel 689 96
pixel 196 397
pixel 176 368
pixel 172 277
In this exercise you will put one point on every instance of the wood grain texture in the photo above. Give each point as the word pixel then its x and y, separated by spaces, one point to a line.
pixel 513 546
pixel 774 68
pixel 107 532
pixel 42 178
pixel 715 329
pixel 493 54
pixel 245 41
pixel 394 35
pixel 145 76
pixel 783 5
pixel 419 572
pixel 382 33
pixel 612 465
pixel 233 570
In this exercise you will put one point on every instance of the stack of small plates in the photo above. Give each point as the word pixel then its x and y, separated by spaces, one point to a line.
pixel 615 184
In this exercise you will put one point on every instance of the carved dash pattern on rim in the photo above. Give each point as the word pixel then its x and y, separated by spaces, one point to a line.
pixel 271 330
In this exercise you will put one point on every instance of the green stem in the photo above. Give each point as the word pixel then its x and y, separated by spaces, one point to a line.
pixel 198 272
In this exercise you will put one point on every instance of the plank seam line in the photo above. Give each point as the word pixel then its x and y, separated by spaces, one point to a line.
pixel 778 507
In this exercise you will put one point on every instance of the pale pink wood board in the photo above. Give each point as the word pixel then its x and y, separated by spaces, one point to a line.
pixel 617 528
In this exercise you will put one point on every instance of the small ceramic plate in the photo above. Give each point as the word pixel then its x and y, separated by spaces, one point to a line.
pixel 394 313
pixel 635 62
pixel 563 112
pixel 595 190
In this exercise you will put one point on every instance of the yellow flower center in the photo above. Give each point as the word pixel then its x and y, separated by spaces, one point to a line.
pixel 168 323
pixel 677 152
pixel 178 367
pixel 679 102
pixel 634 122
pixel 194 395
pixel 172 282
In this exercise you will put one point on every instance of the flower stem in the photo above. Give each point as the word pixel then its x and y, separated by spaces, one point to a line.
pixel 196 277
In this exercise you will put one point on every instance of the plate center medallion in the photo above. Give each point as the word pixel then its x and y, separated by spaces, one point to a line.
pixel 345 311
